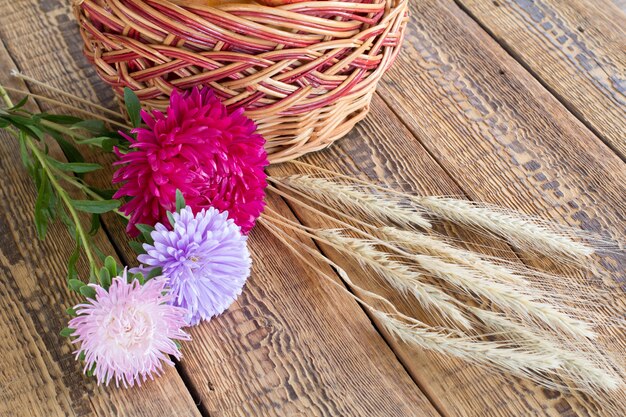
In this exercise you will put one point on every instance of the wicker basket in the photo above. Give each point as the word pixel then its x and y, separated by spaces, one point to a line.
pixel 305 72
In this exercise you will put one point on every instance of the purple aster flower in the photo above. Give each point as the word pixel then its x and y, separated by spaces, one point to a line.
pixel 204 258
pixel 129 331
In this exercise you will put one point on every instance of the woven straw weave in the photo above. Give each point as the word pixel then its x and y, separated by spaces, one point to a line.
pixel 305 72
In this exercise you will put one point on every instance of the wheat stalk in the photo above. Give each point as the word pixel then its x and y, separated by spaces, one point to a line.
pixel 367 204
pixel 434 246
pixel 526 355
pixel 525 362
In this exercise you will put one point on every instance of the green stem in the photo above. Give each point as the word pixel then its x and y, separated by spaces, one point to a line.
pixel 62 129
pixel 5 97
pixel 87 190
pixel 82 236
pixel 66 199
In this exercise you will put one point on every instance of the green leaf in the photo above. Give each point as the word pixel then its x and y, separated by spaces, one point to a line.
pixel 105 278
pixel 41 206
pixel 67 332
pixel 71 312
pixel 103 142
pixel 170 217
pixel 146 232
pixel 180 201
pixel 139 277
pixel 155 272
pixel 20 104
pixel 95 224
pixel 133 107
pixel 111 266
pixel 78 167
pixel 93 276
pixel 67 221
pixel 136 246
pixel 100 254
pixel 52 204
pixel 98 207
pixel 60 118
pixel 71 153
pixel 106 194
pixel 32 131
pixel 88 291
pixel 75 284
pixel 72 273
pixel 91 370
pixel 94 126
pixel 144 228
pixel 26 159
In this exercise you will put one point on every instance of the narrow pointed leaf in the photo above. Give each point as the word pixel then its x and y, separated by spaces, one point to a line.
pixel 98 207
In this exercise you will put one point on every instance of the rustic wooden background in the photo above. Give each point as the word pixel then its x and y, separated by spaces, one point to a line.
pixel 514 102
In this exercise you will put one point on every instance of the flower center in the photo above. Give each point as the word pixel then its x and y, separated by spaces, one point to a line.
pixel 129 328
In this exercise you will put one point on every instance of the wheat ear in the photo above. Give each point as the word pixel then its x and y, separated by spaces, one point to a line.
pixel 397 275
pixel 586 368
pixel 368 204
pixel 505 296
pixel 529 363
pixel 425 243
pixel 522 231
pixel 495 268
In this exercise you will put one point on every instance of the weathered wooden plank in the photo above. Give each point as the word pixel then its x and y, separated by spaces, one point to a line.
pixel 576 48
pixel 295 345
pixel 291 345
pixel 38 373
pixel 621 4
pixel 505 140
pixel 382 150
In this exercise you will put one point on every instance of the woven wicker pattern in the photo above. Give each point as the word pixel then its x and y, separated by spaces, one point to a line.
pixel 305 72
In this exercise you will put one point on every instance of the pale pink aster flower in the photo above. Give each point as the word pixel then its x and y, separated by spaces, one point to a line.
pixel 129 331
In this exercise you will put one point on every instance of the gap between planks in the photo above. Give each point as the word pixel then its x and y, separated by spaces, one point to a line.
pixel 432 399
pixel 559 97
pixel 118 252
pixel 188 384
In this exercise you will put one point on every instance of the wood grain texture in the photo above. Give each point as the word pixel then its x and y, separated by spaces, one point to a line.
pixel 38 373
pixel 290 345
pixel 293 345
pixel 256 357
pixel 576 48
pixel 621 4
pixel 505 140
pixel 381 149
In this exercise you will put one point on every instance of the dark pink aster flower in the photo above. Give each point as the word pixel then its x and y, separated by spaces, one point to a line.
pixel 214 158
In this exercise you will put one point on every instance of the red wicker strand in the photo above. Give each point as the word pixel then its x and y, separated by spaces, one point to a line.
pixel 305 72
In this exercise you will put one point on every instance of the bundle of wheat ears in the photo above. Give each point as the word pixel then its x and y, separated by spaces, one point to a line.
pixel 483 309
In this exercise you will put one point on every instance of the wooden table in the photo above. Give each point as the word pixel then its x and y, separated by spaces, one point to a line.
pixel 514 102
